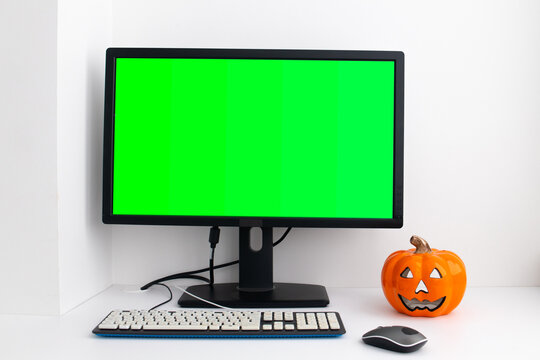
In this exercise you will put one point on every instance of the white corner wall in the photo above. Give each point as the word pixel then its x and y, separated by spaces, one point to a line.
pixel 84 33
pixel 472 121
pixel 54 251
pixel 28 211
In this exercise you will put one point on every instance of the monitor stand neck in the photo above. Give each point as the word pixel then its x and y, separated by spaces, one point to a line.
pixel 256 272
pixel 256 288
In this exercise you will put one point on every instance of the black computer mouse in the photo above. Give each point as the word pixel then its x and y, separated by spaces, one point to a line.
pixel 395 338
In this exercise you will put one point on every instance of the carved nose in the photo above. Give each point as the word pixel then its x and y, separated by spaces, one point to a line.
pixel 421 287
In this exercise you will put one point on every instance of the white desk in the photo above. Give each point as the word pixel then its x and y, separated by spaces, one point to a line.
pixel 490 322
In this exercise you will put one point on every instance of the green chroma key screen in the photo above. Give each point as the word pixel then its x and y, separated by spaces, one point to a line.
pixel 253 137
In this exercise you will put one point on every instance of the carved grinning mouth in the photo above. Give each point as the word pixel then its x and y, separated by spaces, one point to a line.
pixel 414 304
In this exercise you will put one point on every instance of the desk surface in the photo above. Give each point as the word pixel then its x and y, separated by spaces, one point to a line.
pixel 489 321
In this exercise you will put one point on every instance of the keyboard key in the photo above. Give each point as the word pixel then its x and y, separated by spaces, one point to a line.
pixel 306 326
pixel 334 326
pixel 333 321
pixel 108 326
pixel 288 316
pixel 175 327
pixel 251 327
pixel 321 319
pixel 230 327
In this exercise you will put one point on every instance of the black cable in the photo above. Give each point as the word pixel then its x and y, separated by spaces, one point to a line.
pixel 181 276
pixel 282 237
pixel 211 266
pixel 213 239
pixel 170 296
pixel 190 274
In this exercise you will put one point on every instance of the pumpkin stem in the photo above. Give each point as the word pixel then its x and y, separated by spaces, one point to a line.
pixel 422 247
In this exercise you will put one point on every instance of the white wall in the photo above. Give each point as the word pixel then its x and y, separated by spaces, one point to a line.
pixel 472 120
pixel 84 33
pixel 55 253
pixel 28 212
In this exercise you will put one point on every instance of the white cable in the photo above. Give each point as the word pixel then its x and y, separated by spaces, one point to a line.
pixel 136 291
pixel 204 300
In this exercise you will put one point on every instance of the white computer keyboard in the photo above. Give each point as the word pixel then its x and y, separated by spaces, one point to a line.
pixel 217 323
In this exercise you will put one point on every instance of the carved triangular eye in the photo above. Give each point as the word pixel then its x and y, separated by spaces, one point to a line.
pixel 435 274
pixel 407 273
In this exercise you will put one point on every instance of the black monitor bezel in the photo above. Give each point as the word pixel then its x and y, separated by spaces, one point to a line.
pixel 112 53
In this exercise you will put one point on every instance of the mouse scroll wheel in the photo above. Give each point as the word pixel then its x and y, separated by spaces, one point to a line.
pixel 409 331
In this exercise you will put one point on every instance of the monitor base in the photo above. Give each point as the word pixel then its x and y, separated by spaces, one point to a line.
pixel 284 295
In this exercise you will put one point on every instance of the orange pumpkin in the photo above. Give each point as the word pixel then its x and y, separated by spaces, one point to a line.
pixel 423 282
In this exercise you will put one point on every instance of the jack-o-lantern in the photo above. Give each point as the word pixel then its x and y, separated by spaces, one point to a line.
pixel 422 281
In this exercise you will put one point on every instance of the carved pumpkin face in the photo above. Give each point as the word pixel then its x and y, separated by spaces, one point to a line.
pixel 423 282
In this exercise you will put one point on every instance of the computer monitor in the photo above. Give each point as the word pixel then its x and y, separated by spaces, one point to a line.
pixel 254 138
